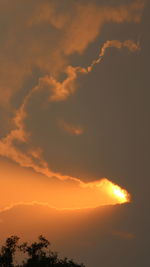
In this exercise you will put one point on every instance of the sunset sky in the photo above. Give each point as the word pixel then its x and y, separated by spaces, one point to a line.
pixel 74 116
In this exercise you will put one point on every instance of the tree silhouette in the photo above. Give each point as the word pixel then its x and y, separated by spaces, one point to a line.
pixel 8 251
pixel 38 254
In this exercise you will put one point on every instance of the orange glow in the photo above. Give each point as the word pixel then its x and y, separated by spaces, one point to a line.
pixel 56 193
pixel 121 194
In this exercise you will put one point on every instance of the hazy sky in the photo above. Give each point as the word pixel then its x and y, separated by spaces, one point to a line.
pixel 74 109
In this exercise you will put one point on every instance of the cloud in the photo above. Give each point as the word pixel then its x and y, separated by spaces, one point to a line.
pixel 58 91
pixel 42 36
pixel 71 128
pixel 86 26
pixel 28 42
pixel 18 204
pixel 73 195
pixel 46 13
pixel 129 44
pixel 24 47
pixel 58 194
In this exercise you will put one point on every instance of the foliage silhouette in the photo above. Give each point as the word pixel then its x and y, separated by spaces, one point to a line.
pixel 38 254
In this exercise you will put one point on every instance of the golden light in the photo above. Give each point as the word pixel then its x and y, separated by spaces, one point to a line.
pixel 120 194
pixel 59 194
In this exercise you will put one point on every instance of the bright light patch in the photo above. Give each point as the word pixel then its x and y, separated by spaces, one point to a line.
pixel 121 194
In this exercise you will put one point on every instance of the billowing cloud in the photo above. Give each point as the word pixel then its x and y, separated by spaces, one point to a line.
pixel 40 35
pixel 42 39
pixel 58 91
pixel 89 20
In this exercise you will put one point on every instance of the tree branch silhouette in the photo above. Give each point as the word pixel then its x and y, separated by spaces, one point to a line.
pixel 38 254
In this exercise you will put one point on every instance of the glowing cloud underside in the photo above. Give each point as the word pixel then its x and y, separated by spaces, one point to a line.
pixel 59 194
pixel 98 193
pixel 71 196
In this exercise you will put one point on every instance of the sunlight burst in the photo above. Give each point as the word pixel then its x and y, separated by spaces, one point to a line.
pixel 121 194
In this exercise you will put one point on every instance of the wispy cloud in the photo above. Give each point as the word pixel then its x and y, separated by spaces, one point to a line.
pixel 70 128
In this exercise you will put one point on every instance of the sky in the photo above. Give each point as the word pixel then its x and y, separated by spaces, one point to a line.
pixel 74 136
